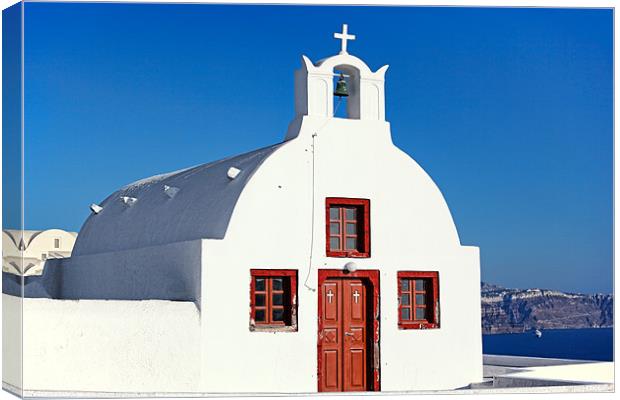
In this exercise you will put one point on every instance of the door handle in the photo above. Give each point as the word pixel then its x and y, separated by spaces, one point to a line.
pixel 348 334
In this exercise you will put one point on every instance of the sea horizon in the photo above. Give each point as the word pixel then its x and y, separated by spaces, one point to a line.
pixel 595 344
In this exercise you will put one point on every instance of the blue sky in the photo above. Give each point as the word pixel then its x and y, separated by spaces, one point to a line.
pixel 509 111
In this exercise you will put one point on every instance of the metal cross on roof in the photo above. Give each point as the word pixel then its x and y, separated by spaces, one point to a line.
pixel 344 36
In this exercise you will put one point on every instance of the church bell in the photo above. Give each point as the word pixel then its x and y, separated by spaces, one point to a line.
pixel 341 87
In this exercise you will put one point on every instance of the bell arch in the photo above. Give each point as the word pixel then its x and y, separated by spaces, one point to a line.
pixel 314 88
pixel 352 78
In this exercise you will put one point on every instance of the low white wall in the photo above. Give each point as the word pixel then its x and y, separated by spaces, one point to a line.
pixel 12 340
pixel 108 345
pixel 597 372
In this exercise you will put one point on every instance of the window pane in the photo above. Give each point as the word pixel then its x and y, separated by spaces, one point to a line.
pixel 276 284
pixel 259 315
pixel 334 243
pixel 278 314
pixel 350 213
pixel 404 299
pixel 404 314
pixel 351 243
pixel 420 299
pixel 351 228
pixel 420 313
pixel 334 213
pixel 404 284
pixel 259 284
pixel 334 228
pixel 278 298
pixel 259 300
pixel 420 284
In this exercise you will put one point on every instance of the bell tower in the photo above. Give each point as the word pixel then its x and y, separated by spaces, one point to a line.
pixel 314 85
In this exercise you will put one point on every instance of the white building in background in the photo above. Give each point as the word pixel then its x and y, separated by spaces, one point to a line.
pixel 327 262
pixel 25 252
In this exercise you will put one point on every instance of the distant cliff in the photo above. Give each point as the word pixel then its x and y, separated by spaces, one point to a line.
pixel 515 310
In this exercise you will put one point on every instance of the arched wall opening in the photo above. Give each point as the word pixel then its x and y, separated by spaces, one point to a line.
pixel 347 107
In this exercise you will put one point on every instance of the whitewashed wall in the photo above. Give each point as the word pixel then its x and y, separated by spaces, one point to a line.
pixel 272 227
pixel 12 341
pixel 95 345
pixel 111 345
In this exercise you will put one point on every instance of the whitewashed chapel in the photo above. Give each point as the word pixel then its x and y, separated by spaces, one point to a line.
pixel 328 262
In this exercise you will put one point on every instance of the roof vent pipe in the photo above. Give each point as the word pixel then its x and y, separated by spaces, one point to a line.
pixel 233 172
pixel 130 201
pixel 171 191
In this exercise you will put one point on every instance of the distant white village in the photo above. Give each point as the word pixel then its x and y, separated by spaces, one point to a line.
pixel 25 252
pixel 328 262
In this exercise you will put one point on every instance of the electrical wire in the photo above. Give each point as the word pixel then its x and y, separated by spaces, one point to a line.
pixel 314 135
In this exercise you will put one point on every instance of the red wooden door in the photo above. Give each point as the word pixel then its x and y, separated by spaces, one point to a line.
pixel 343 336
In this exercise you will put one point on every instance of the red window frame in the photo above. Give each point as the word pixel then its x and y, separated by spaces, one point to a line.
pixel 431 297
pixel 289 302
pixel 362 231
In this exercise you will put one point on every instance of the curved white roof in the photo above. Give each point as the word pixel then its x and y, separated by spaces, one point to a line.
pixel 144 214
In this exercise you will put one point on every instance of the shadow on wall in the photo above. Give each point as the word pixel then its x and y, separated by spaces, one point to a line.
pixel 173 274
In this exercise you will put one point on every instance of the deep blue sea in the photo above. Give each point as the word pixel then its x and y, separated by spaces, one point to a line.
pixel 576 344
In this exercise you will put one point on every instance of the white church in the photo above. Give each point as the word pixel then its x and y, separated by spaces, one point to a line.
pixel 329 262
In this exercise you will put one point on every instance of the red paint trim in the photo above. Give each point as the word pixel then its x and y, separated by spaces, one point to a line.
pixel 364 204
pixel 268 273
pixel 420 324
pixel 372 276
